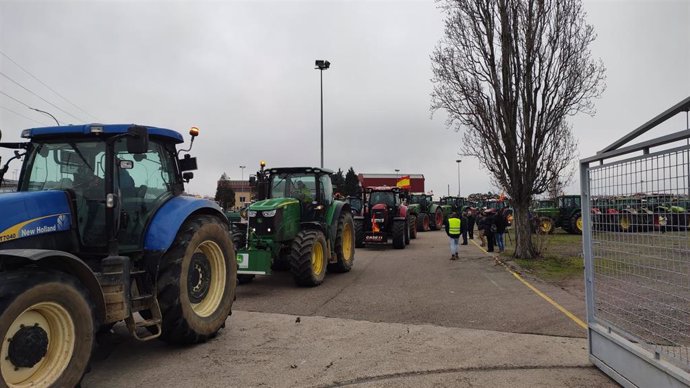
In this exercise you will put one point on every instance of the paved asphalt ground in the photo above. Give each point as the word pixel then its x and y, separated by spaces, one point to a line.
pixel 404 317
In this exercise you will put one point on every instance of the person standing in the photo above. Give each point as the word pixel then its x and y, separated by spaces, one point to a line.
pixel 481 227
pixel 463 226
pixel 453 226
pixel 471 214
pixel 490 229
pixel 501 225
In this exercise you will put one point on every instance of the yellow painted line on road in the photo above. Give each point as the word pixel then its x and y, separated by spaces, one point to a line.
pixel 562 309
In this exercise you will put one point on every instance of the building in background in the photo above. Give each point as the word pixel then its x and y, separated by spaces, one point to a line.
pixel 242 189
pixel 416 180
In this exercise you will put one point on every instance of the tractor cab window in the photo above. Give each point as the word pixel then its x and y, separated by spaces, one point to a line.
pixel 145 182
pixel 78 167
pixel 385 197
pixel 299 186
pixel 326 194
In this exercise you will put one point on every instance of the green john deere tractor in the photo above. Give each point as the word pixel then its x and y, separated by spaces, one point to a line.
pixel 566 214
pixel 295 224
pixel 430 215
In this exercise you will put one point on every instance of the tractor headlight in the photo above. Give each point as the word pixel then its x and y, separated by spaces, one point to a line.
pixel 269 213
pixel 251 213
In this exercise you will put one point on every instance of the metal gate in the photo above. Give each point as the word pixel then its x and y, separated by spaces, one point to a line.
pixel 636 244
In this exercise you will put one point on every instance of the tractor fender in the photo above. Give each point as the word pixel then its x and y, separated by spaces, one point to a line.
pixel 338 209
pixel 167 221
pixel 399 218
pixel 403 211
pixel 63 262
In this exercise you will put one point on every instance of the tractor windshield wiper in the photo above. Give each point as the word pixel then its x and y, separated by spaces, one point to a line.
pixel 74 147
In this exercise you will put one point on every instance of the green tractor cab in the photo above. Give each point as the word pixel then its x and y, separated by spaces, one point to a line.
pixel 295 224
pixel 565 212
pixel 429 215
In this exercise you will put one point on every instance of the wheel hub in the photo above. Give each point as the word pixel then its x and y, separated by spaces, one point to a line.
pixel 28 346
pixel 199 277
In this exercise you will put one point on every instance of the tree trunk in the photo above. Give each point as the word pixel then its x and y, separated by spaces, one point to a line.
pixel 524 249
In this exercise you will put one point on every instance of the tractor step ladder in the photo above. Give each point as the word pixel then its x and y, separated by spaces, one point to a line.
pixel 144 302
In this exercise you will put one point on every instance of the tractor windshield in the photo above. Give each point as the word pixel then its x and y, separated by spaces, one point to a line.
pixel 385 197
pixel 300 186
pixel 76 165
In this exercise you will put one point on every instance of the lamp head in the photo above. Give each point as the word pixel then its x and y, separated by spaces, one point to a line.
pixel 322 64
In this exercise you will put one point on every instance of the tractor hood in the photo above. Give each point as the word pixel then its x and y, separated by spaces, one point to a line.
pixel 273 203
pixel 27 214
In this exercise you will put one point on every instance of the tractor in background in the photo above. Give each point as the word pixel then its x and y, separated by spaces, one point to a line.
pixel 295 224
pixel 385 219
pixel 100 230
pixel 566 214
pixel 429 215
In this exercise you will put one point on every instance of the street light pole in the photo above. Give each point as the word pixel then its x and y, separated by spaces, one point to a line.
pixel 42 111
pixel 242 187
pixel 322 65
pixel 458 162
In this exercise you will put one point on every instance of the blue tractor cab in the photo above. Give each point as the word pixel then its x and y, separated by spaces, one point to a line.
pixel 98 230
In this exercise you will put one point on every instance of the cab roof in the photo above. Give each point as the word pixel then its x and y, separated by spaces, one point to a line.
pixel 297 170
pixel 97 129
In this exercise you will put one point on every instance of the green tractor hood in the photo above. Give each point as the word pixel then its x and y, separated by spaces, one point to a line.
pixel 273 203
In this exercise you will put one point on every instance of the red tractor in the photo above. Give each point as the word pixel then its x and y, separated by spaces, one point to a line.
pixel 384 219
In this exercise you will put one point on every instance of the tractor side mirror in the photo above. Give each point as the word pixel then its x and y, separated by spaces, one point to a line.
pixel 137 140
pixel 187 176
pixel 187 163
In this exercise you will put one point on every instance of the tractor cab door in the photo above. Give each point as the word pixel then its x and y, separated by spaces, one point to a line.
pixel 145 182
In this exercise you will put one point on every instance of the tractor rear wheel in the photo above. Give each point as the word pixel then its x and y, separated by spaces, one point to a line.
pixel 576 223
pixel 46 327
pixel 399 227
pixel 359 233
pixel 407 231
pixel 413 227
pixel 308 260
pixel 196 281
pixel 423 222
pixel 625 223
pixel 437 221
pixel 344 244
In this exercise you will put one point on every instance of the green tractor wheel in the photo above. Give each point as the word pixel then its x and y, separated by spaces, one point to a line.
pixel 359 233
pixel 399 227
pixel 196 281
pixel 624 223
pixel 576 223
pixel 546 225
pixel 344 244
pixel 46 327
pixel 308 260
pixel 413 226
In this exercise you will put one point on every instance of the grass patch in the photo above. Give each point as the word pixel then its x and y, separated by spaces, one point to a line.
pixel 561 258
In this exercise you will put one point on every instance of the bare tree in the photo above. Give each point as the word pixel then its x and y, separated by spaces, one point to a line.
pixel 510 72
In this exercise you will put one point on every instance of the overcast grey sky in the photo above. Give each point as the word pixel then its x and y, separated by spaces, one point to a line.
pixel 243 73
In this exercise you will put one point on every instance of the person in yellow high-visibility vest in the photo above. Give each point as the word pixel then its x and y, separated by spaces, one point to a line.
pixel 453 226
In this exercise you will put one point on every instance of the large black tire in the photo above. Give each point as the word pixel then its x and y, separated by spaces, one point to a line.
pixel 359 233
pixel 407 231
pixel 576 223
pixel 193 308
pixel 308 259
pixel 239 239
pixel 32 356
pixel 423 222
pixel 344 244
pixel 546 225
pixel 413 226
pixel 436 219
pixel 399 227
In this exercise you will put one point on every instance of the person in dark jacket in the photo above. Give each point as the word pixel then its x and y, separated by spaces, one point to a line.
pixel 463 226
pixel 453 227
pixel 471 218
pixel 501 225
pixel 490 229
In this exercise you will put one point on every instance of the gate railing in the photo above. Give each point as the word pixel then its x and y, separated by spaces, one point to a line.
pixel 636 243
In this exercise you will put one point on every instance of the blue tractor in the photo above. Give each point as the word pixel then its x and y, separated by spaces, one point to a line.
pixel 100 230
